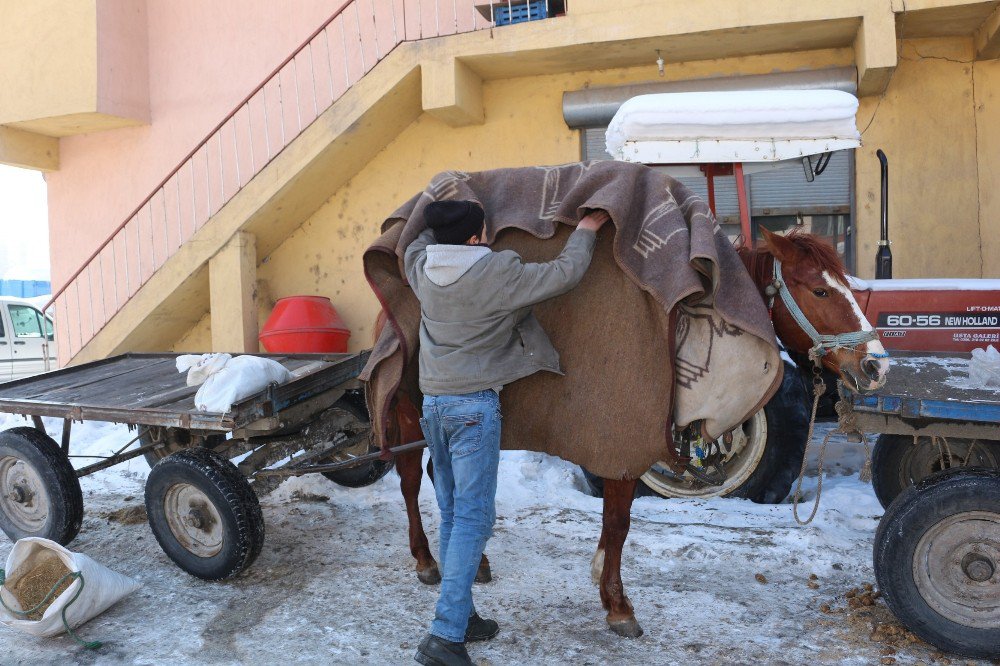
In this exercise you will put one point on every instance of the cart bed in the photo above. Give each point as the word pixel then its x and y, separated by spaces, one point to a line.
pixel 146 389
pixel 932 386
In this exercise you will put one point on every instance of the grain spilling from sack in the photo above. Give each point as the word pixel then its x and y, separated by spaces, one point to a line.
pixel 31 588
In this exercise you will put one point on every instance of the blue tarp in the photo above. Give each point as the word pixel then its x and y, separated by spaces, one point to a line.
pixel 25 288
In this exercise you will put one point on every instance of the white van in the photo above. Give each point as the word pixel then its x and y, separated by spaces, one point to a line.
pixel 27 340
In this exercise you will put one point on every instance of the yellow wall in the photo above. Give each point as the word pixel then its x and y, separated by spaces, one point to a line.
pixel 57 67
pixel 78 66
pixel 987 86
pixel 523 126
pixel 927 126
pixel 942 149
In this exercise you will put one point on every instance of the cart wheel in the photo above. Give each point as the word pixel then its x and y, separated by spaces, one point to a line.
pixel 366 473
pixel 204 514
pixel 762 461
pixel 898 463
pixel 39 493
pixel 937 560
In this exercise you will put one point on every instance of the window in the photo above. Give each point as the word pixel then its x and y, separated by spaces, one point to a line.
pixel 25 321
pixel 781 198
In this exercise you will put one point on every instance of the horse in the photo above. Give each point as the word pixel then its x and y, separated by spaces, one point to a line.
pixel 805 286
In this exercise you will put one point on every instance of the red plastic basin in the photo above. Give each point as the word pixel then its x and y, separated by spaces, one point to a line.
pixel 304 325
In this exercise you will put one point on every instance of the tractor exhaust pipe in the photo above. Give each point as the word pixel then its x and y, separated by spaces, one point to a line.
pixel 883 258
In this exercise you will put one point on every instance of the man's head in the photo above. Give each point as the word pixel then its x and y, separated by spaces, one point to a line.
pixel 456 222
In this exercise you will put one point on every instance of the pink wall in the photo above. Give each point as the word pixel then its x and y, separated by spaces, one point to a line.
pixel 123 59
pixel 203 60
pixel 204 57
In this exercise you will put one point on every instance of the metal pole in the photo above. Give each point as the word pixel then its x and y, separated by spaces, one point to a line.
pixel 378 50
pixel 741 193
pixel 236 150
pixel 267 129
pixel 329 66
pixel 312 69
pixel 298 99
pixel 883 257
pixel 114 262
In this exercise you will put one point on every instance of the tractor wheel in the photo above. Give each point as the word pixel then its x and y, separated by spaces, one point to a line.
pixel 898 462
pixel 763 459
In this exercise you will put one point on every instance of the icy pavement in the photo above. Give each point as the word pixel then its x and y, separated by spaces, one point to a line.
pixel 335 582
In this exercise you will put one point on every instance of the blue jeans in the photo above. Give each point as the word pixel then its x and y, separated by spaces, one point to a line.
pixel 463 435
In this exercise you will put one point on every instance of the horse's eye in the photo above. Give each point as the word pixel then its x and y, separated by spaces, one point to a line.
pixel 820 292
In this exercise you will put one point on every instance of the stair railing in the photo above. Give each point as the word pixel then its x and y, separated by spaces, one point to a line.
pixel 325 66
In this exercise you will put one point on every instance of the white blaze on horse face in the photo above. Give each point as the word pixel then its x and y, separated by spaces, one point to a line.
pixel 874 347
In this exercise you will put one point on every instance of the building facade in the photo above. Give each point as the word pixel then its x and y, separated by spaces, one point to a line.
pixel 214 157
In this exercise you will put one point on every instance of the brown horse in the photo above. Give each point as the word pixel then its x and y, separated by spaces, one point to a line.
pixel 797 272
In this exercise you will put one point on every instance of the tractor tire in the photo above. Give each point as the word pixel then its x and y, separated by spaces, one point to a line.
pixel 898 462
pixel 775 441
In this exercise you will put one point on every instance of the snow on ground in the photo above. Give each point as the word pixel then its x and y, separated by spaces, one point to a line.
pixel 335 582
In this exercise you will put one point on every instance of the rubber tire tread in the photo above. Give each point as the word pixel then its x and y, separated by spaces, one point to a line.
pixel 366 474
pixel 239 508
pixel 908 517
pixel 787 414
pixel 52 465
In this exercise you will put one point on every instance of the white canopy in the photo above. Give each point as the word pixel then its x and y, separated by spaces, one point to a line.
pixel 734 126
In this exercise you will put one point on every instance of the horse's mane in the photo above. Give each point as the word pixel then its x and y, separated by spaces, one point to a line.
pixel 760 261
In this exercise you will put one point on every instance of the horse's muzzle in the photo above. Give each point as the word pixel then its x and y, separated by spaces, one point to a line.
pixel 874 376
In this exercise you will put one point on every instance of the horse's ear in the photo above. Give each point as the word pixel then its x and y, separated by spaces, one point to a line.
pixel 782 248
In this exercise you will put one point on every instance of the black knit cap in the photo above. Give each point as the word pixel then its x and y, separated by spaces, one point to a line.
pixel 454 222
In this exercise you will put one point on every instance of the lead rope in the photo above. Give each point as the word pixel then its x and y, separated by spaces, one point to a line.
pixel 847 425
pixel 90 645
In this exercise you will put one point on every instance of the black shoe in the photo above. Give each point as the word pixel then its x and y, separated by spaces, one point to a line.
pixel 434 651
pixel 480 629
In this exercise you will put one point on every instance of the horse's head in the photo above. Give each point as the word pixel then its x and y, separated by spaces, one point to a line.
pixel 813 309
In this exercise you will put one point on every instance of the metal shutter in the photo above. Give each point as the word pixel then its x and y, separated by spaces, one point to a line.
pixel 781 191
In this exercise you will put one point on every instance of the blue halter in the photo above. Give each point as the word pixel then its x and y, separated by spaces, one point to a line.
pixel 822 344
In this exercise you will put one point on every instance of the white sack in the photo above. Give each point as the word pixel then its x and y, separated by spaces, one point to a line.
pixel 984 367
pixel 200 367
pixel 102 588
pixel 226 380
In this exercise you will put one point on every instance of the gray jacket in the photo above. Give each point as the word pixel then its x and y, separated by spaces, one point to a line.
pixel 476 327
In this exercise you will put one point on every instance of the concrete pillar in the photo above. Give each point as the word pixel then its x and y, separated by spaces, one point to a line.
pixel 232 276
pixel 875 50
pixel 28 150
pixel 452 92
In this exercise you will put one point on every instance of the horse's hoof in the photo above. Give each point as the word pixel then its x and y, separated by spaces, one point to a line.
pixel 484 574
pixel 429 576
pixel 626 628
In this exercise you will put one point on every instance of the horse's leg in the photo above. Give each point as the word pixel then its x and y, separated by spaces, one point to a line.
pixel 617 506
pixel 410 473
pixel 597 562
pixel 484 574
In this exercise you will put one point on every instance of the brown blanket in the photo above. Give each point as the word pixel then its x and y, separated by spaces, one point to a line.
pixel 613 408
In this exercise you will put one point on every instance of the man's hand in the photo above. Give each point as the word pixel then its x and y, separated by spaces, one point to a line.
pixel 594 220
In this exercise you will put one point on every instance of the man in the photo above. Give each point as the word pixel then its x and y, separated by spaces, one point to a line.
pixel 477 333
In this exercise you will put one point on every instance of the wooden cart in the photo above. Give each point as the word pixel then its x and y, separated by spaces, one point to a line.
pixel 937 548
pixel 208 469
